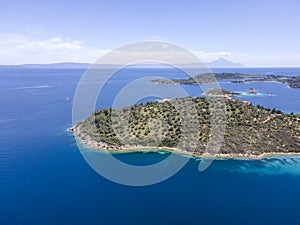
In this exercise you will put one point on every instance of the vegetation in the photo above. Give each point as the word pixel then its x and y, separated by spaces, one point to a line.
pixel 249 129
pixel 292 81
pixel 207 78
pixel 220 92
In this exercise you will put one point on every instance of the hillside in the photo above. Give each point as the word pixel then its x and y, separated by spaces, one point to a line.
pixel 249 129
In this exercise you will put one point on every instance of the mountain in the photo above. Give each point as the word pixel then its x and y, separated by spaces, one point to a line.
pixel 59 65
pixel 53 65
pixel 221 62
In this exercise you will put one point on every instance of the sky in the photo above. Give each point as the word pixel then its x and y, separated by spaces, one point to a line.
pixel 257 33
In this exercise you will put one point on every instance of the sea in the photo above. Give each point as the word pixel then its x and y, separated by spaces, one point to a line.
pixel 44 178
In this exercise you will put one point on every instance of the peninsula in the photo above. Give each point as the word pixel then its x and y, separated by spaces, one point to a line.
pixel 251 131
pixel 206 78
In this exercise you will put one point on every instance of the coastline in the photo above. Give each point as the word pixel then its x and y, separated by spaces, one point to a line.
pixel 291 81
pixel 103 147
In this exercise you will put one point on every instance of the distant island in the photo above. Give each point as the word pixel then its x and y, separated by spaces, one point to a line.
pixel 61 65
pixel 219 63
pixel 206 78
pixel 215 92
pixel 251 131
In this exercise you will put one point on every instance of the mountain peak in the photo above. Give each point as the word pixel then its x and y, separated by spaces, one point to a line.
pixel 221 62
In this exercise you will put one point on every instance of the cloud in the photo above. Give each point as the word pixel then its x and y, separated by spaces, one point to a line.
pixel 223 53
pixel 210 56
pixel 279 59
pixel 19 49
pixel 22 49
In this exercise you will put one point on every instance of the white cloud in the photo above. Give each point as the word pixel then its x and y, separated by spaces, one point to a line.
pixel 282 59
pixel 20 49
pixel 210 56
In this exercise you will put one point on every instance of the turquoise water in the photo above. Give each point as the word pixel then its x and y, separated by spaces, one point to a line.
pixel 45 180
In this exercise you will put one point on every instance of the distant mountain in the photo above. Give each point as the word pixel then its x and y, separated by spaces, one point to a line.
pixel 217 63
pixel 60 65
pixel 53 65
pixel 221 62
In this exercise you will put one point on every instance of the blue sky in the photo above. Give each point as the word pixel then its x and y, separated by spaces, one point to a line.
pixel 254 33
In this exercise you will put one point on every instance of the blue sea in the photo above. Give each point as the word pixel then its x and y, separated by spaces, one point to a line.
pixel 44 178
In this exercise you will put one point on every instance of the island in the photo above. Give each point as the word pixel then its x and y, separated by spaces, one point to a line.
pixel 206 78
pixel 251 131
pixel 215 92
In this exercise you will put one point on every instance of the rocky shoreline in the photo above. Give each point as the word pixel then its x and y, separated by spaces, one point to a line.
pixel 250 132
pixel 87 141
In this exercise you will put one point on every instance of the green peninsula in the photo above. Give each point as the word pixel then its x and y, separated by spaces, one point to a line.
pixel 250 131
pixel 206 78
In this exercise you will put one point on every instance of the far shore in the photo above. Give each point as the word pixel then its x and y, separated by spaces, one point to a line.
pixel 103 147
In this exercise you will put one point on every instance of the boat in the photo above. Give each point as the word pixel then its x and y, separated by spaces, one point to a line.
pixel 252 91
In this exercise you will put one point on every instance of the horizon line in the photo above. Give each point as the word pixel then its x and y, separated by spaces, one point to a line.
pixel 146 64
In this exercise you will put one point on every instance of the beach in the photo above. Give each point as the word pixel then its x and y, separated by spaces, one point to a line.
pixel 87 142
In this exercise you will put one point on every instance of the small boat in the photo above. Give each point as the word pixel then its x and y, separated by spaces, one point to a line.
pixel 252 91
pixel 68 99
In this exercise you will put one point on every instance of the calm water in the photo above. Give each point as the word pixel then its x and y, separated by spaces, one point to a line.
pixel 45 180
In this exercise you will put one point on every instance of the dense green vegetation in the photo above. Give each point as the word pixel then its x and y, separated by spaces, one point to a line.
pixel 249 129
